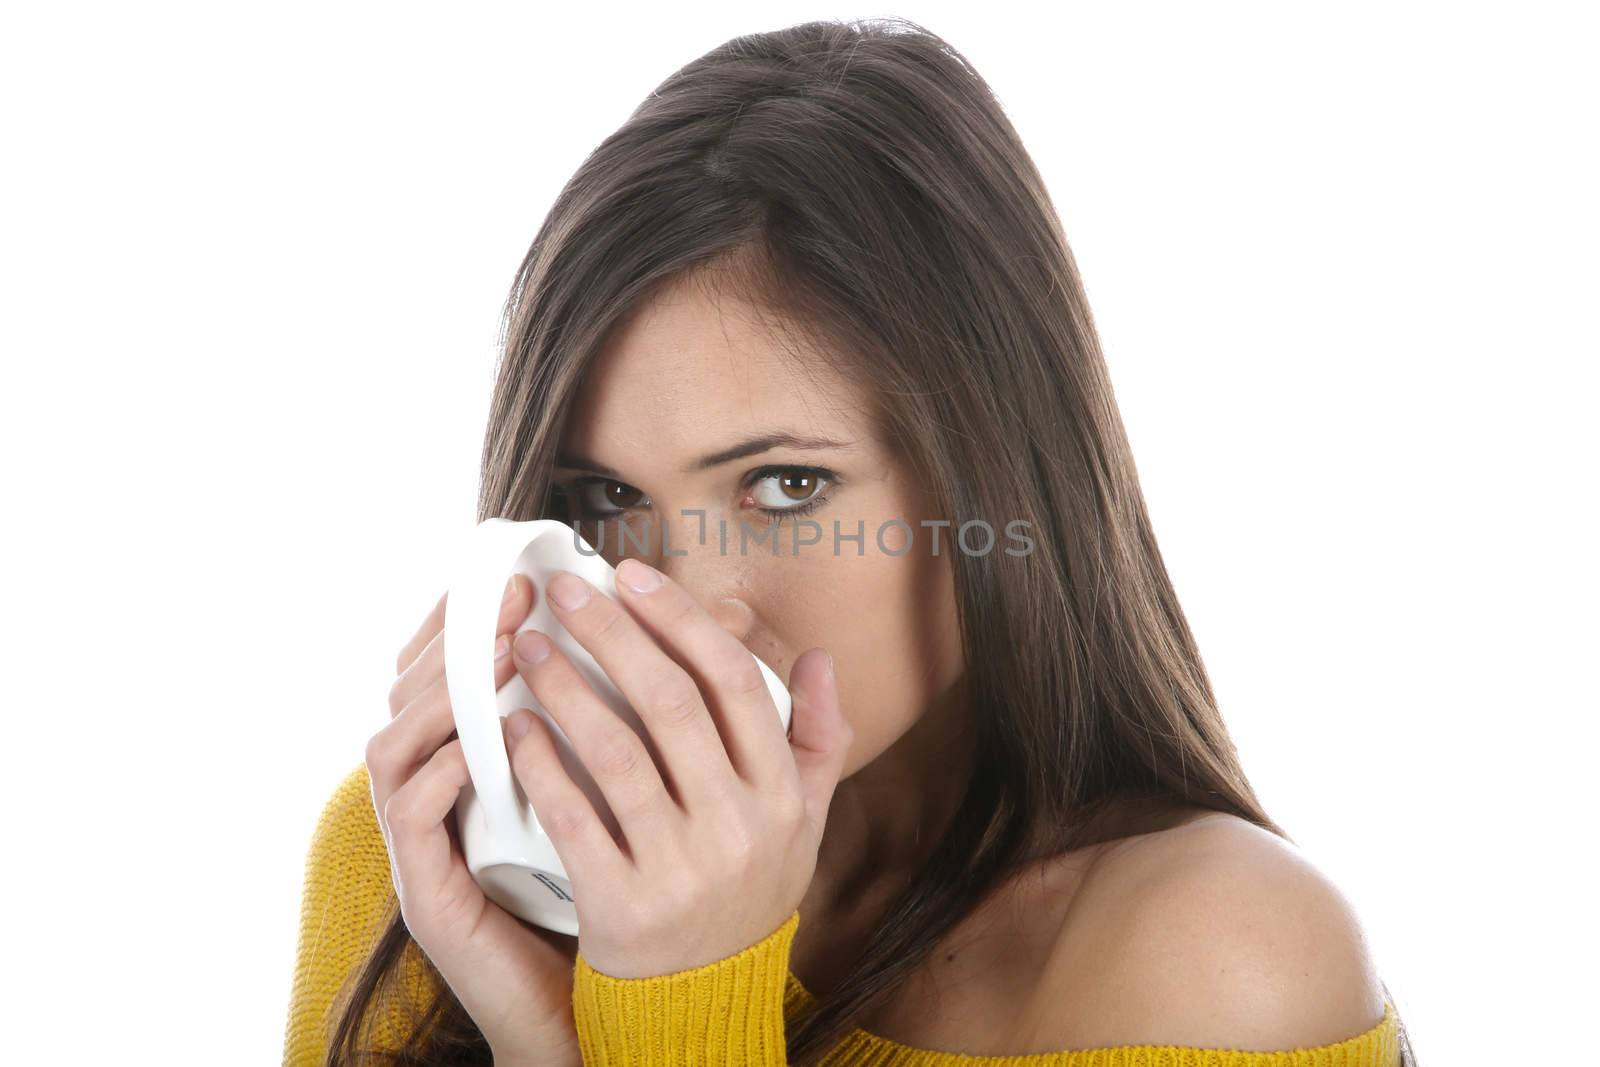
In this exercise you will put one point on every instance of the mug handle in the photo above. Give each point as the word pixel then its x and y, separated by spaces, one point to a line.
pixel 486 559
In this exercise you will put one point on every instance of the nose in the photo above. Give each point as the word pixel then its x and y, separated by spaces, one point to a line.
pixel 709 575
pixel 714 588
pixel 733 614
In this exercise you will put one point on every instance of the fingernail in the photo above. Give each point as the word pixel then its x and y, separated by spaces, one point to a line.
pixel 502 645
pixel 511 587
pixel 638 575
pixel 569 591
pixel 532 646
pixel 517 724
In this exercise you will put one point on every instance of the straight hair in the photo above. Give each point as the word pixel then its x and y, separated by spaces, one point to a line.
pixel 859 183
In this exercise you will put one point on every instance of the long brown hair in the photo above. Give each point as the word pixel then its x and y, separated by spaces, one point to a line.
pixel 860 182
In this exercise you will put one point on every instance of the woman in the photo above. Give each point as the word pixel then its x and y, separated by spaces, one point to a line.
pixel 814 291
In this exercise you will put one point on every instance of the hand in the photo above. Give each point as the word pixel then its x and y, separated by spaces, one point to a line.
pixel 725 857
pixel 513 978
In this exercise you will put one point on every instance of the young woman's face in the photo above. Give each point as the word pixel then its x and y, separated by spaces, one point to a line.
pixel 649 446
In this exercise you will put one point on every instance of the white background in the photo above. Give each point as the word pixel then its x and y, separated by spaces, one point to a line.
pixel 1343 260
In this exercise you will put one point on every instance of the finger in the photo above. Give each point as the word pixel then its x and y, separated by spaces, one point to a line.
pixel 608 748
pixel 422 727
pixel 726 672
pixel 432 623
pixel 666 696
pixel 586 847
pixel 428 665
pixel 413 819
pixel 819 733
pixel 417 730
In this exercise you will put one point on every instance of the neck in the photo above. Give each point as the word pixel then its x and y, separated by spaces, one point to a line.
pixel 887 818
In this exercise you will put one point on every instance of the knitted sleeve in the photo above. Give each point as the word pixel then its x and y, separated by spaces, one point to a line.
pixel 724 1014
pixel 347 898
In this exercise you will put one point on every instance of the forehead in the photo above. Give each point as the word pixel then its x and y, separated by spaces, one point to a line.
pixel 688 367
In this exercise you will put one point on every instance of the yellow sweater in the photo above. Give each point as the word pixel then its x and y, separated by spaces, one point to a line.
pixel 731 1012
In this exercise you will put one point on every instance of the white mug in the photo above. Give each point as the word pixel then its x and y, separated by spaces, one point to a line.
pixel 503 844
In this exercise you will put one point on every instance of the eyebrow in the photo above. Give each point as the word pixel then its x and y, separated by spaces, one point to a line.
pixel 748 447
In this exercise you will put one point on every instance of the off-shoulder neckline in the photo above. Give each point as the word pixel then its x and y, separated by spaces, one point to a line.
pixel 865 1039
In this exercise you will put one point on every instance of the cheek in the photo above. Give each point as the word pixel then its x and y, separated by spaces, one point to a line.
pixel 890 624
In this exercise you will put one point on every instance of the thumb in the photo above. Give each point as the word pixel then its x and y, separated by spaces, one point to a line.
pixel 819 733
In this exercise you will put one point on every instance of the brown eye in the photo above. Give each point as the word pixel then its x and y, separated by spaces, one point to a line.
pixel 797 485
pixel 783 487
pixel 598 497
pixel 621 496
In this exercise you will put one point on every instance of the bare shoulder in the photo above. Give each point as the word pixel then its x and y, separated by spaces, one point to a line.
pixel 1213 934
